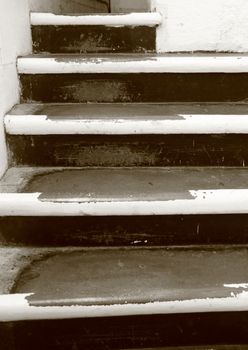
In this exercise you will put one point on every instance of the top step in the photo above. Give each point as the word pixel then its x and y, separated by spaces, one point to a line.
pixel 95 33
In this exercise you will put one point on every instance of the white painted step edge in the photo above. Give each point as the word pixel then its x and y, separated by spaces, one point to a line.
pixel 181 124
pixel 226 201
pixel 16 307
pixel 132 19
pixel 133 64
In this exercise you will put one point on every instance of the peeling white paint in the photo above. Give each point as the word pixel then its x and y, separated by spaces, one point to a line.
pixel 236 285
pixel 15 307
pixel 60 64
pixel 226 201
pixel 188 124
pixel 130 19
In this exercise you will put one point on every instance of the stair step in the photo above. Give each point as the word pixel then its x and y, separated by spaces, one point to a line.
pixel 128 134
pixel 134 32
pixel 129 282
pixel 109 20
pixel 133 63
pixel 127 119
pixel 134 78
pixel 123 191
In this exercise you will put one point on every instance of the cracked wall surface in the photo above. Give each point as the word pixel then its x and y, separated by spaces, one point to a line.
pixel 192 25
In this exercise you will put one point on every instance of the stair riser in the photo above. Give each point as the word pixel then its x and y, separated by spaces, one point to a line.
pixel 93 39
pixel 125 231
pixel 147 87
pixel 131 332
pixel 168 150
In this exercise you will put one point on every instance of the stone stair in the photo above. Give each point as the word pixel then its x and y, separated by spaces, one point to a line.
pixel 124 211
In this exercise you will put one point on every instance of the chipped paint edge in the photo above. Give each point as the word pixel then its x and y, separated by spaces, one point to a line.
pixel 130 19
pixel 189 124
pixel 226 201
pixel 71 64
pixel 16 307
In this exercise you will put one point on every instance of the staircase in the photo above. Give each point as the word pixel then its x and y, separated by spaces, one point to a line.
pixel 124 212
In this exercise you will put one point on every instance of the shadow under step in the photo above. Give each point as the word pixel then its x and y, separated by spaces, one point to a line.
pixel 133 32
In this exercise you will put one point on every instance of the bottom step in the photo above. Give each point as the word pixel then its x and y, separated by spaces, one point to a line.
pixel 124 298
pixel 126 282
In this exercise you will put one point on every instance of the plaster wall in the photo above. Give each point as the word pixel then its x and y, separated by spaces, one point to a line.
pixel 193 25
pixel 15 40
pixel 69 6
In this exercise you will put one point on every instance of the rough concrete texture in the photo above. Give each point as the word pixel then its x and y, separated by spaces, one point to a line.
pixel 128 275
pixel 115 184
pixel 193 25
pixel 13 260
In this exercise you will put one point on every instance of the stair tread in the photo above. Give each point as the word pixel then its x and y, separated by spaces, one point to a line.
pixel 38 119
pixel 122 19
pixel 124 191
pixel 127 281
pixel 133 63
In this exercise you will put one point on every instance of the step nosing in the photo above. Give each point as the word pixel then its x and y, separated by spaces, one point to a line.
pixel 66 64
pixel 114 20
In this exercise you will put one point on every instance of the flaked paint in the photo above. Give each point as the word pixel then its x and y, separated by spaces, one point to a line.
pixel 69 64
pixel 171 125
pixel 16 307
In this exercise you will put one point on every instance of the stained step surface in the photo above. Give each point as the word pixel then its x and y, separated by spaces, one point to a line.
pixel 100 283
pixel 123 191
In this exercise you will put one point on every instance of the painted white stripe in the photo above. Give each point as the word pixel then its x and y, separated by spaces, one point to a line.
pixel 189 124
pixel 232 201
pixel 15 307
pixel 133 64
pixel 131 19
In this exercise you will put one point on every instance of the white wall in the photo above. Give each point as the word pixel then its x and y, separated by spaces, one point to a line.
pixel 69 6
pixel 209 25
pixel 15 40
